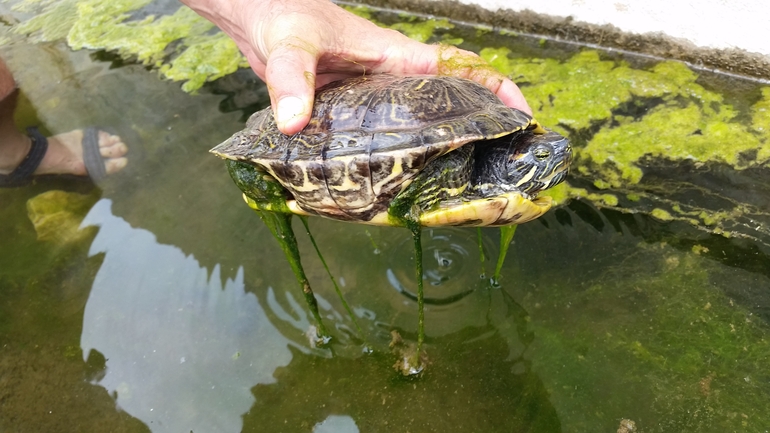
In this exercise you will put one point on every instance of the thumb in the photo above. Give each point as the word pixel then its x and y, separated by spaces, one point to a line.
pixel 290 76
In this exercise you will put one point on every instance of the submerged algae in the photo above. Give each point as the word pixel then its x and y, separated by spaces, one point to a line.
pixel 683 120
pixel 200 56
pixel 676 133
pixel 266 196
pixel 660 326
pixel 420 30
pixel 624 121
pixel 761 113
pixel 57 215
pixel 182 45
pixel 562 193
pixel 676 118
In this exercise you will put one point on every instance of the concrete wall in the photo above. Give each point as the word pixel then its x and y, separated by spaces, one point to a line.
pixel 720 24
pixel 731 36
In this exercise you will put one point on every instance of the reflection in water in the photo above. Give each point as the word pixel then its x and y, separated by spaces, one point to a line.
pixel 182 350
pixel 451 258
pixel 455 296
pixel 336 424
pixel 185 352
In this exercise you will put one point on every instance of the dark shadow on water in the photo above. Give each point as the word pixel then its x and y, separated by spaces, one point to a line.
pixel 733 252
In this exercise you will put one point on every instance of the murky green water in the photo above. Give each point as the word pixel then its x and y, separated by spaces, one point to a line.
pixel 159 302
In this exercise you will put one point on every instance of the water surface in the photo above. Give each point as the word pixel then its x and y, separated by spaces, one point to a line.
pixel 158 301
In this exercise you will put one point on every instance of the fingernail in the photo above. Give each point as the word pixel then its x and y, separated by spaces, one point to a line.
pixel 289 108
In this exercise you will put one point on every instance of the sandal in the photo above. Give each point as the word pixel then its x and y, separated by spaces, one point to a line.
pixel 23 174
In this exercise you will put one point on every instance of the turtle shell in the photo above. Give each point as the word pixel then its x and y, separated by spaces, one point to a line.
pixel 368 136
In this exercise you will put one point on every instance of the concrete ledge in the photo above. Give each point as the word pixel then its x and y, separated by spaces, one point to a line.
pixel 702 44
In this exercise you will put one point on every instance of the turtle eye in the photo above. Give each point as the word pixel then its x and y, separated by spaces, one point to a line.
pixel 541 153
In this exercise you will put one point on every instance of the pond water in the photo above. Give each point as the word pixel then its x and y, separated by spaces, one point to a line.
pixel 158 301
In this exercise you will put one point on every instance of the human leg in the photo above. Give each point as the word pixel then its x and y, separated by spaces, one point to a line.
pixel 64 153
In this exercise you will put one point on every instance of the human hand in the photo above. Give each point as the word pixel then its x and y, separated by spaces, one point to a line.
pixel 296 46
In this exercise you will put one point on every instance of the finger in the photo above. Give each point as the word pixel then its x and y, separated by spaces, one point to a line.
pixel 465 64
pixel 510 94
pixel 290 78
pixel 326 78
pixel 256 64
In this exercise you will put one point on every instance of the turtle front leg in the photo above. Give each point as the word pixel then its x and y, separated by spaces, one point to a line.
pixel 440 180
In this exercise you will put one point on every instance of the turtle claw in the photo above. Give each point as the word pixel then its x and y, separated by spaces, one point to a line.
pixel 315 338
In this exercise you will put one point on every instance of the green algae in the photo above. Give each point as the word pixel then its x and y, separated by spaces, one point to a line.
pixel 421 30
pixel 712 221
pixel 685 120
pixel 564 192
pixel 661 214
pixel 584 90
pixel 761 113
pixel 52 23
pixel 414 364
pixel 506 237
pixel 452 61
pixel 181 45
pixel 207 58
pixel 560 193
pixel 417 28
pixel 673 132
pixel 351 315
pixel 624 119
pixel 56 216
pixel 699 249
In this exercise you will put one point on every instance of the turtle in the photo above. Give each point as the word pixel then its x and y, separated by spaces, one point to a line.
pixel 392 150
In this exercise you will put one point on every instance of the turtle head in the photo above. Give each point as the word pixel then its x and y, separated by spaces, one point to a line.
pixel 538 161
pixel 525 161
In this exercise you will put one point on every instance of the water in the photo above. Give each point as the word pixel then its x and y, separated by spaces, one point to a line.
pixel 173 309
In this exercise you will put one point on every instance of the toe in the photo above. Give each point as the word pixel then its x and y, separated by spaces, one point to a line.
pixel 111 146
pixel 115 164
pixel 114 150
pixel 106 139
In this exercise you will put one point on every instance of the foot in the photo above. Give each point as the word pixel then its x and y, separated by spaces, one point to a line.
pixel 65 154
